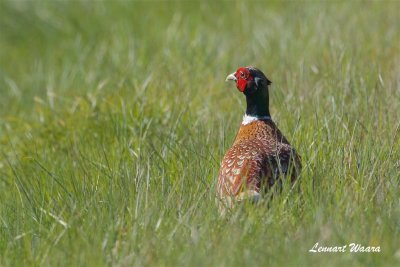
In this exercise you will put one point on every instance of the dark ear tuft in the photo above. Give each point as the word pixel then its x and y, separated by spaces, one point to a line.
pixel 258 75
pixel 258 81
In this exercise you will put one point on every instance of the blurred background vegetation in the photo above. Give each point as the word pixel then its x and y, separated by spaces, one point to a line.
pixel 114 117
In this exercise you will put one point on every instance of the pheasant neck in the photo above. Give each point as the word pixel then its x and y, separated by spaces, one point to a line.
pixel 257 105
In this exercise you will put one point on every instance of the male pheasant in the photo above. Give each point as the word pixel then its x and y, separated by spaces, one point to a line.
pixel 260 154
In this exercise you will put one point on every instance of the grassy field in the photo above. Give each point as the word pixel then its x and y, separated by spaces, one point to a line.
pixel 114 117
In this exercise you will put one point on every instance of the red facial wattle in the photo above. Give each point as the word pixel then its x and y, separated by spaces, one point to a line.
pixel 241 84
pixel 243 76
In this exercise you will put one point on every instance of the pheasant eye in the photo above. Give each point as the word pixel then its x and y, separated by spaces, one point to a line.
pixel 241 74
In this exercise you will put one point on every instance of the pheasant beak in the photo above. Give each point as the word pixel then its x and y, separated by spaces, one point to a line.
pixel 231 77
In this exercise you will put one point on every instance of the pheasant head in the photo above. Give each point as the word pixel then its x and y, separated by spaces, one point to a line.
pixel 254 85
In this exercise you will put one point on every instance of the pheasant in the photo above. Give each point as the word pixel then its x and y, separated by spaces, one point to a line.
pixel 260 155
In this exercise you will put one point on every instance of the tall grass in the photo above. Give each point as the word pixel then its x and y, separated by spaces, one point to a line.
pixel 115 116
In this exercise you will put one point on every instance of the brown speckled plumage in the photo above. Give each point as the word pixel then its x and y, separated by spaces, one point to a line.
pixel 258 158
pixel 259 154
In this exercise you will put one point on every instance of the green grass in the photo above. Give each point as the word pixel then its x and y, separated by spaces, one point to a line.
pixel 114 117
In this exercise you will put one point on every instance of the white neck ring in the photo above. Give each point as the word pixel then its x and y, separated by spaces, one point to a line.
pixel 248 119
